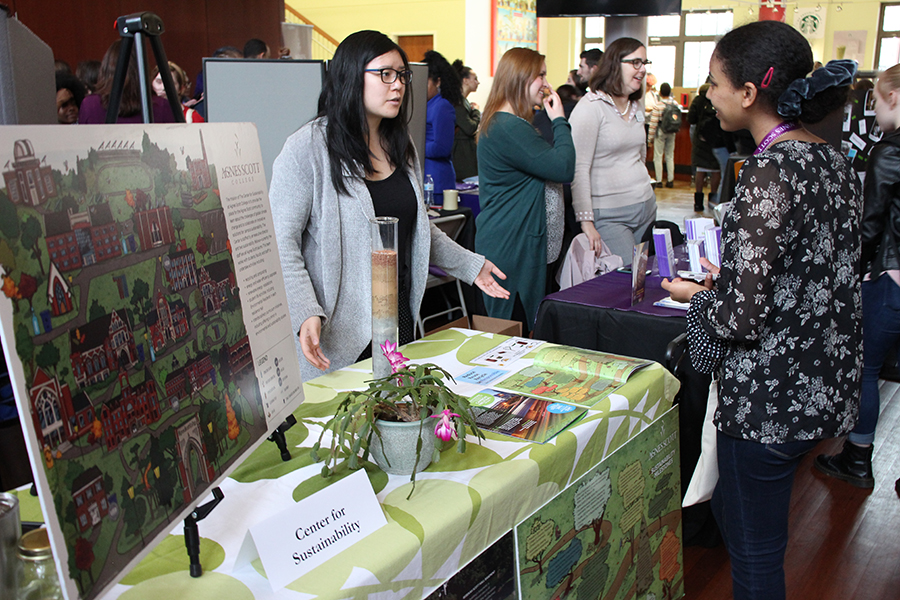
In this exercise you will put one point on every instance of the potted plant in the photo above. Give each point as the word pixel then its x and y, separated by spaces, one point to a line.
pixel 368 421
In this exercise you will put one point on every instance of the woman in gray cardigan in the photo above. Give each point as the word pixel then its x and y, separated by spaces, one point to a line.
pixel 333 177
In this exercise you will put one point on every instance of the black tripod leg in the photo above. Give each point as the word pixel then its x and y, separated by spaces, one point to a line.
pixel 146 106
pixel 171 93
pixel 115 96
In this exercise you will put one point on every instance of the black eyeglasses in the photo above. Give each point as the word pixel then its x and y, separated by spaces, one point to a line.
pixel 391 75
pixel 637 62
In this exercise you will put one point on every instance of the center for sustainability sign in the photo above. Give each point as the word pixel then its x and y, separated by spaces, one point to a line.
pixel 296 541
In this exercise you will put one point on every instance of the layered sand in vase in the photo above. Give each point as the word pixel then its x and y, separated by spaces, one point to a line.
pixel 384 306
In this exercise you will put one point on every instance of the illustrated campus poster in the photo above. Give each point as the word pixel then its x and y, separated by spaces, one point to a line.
pixel 573 375
pixel 514 25
pixel 145 324
pixel 616 532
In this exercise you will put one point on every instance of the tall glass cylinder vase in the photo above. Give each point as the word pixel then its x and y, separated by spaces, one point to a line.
pixel 384 291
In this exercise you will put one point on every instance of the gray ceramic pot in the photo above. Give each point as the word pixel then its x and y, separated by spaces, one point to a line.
pixel 399 440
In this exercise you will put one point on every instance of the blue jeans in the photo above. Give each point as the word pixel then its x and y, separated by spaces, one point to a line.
pixel 751 505
pixel 881 331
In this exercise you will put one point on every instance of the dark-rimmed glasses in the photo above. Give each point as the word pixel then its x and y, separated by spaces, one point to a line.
pixel 637 63
pixel 389 75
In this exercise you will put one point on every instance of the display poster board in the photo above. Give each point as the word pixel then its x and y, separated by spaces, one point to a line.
pixel 859 130
pixel 144 321
pixel 614 533
pixel 419 90
pixel 279 96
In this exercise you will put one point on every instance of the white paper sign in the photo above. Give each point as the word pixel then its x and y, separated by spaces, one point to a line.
pixel 294 542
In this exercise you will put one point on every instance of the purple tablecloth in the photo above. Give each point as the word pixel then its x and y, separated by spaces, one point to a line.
pixel 613 290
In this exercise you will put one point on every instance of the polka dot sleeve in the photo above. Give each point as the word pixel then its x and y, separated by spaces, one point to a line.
pixel 706 350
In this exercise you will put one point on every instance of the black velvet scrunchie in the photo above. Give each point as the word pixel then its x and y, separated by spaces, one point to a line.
pixel 835 73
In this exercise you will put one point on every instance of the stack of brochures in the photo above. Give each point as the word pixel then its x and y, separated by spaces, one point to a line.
pixel 556 390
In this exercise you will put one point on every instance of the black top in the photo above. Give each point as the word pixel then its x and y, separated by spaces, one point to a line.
pixel 395 197
pixel 881 212
pixel 783 327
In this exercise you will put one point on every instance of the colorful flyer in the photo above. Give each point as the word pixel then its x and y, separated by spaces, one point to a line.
pixel 573 375
pixel 524 417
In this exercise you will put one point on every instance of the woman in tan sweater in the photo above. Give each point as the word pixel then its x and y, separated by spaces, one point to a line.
pixel 611 194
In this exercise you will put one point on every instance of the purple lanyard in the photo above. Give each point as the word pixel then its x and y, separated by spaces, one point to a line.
pixel 774 134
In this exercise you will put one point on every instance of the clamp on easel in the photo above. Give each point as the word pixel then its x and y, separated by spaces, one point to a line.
pixel 192 534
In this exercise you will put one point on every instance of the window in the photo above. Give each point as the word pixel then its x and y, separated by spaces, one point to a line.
pixel 888 47
pixel 679 45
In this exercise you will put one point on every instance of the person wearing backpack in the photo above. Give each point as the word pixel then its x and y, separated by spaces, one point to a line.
pixel 665 121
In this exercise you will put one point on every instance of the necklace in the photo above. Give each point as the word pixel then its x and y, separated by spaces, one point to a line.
pixel 775 134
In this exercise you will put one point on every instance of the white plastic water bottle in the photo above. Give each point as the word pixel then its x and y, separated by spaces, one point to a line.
pixel 429 191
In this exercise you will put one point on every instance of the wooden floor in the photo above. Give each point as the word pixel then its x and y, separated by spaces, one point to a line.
pixel 844 541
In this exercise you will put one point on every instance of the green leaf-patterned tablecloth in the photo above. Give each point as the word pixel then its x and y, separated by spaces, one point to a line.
pixel 461 504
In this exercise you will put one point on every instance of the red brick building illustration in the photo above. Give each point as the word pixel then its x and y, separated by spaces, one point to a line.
pixel 102 347
pixel 28 183
pixel 129 412
pixel 169 322
pixel 89 496
pixel 154 227
pixel 215 281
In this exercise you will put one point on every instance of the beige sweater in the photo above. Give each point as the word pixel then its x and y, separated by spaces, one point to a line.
pixel 609 156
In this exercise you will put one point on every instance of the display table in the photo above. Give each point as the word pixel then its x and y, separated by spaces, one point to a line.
pixel 461 505
pixel 597 315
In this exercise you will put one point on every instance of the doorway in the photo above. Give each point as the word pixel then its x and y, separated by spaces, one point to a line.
pixel 415 46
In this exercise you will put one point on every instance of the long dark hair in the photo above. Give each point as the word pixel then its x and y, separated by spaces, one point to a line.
pixel 131 89
pixel 746 55
pixel 341 101
pixel 608 76
pixel 451 84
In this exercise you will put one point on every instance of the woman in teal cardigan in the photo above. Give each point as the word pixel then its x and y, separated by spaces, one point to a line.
pixel 514 161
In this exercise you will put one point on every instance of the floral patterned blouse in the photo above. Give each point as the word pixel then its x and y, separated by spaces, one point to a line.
pixel 783 328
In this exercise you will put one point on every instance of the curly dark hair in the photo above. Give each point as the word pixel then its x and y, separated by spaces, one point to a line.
pixel 746 54
pixel 451 84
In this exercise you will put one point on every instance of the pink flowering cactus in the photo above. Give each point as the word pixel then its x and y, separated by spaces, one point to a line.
pixel 397 360
pixel 445 429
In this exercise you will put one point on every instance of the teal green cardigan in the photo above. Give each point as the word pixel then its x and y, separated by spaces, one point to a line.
pixel 514 161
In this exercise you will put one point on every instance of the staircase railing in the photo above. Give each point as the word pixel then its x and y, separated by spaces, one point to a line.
pixel 323 45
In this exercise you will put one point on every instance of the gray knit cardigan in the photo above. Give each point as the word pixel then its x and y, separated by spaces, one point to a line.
pixel 324 241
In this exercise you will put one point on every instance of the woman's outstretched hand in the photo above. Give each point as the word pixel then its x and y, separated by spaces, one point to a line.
pixel 682 290
pixel 486 282
pixel 309 343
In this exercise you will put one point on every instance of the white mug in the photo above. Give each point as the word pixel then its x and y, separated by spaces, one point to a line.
pixel 451 199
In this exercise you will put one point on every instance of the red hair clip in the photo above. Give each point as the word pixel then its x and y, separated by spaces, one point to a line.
pixel 767 79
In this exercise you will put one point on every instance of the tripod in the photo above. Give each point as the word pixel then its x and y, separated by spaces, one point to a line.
pixel 133 28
